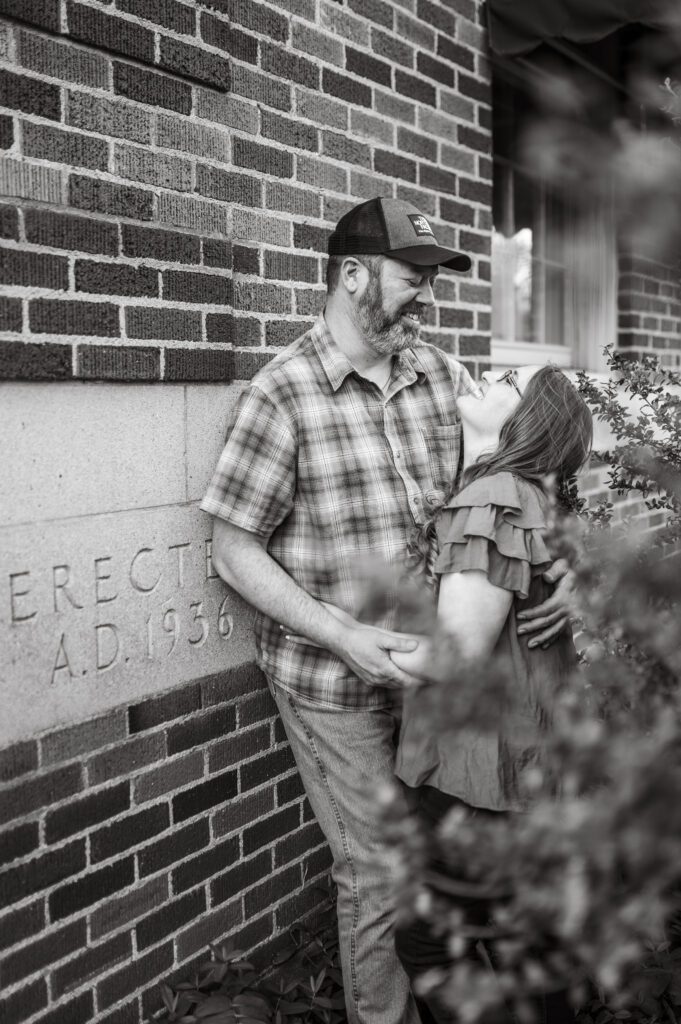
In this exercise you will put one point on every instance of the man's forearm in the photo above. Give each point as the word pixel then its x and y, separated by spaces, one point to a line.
pixel 244 564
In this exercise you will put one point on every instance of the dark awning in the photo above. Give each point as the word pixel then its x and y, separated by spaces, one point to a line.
pixel 517 26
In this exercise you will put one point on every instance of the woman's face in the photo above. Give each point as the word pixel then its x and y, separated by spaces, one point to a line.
pixel 499 396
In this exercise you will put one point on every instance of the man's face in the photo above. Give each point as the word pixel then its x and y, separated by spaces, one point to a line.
pixel 393 305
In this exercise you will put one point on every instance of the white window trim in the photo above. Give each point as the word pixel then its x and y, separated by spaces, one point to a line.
pixel 506 354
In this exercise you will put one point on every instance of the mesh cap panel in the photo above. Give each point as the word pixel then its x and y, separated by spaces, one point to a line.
pixel 361 229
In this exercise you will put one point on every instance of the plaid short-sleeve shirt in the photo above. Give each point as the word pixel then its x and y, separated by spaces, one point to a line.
pixel 333 471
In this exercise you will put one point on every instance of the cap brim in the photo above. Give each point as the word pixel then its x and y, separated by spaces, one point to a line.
pixel 432 256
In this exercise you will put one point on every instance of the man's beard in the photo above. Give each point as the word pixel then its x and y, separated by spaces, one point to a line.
pixel 385 332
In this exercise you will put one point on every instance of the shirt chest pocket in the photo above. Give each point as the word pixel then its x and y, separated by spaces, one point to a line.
pixel 443 445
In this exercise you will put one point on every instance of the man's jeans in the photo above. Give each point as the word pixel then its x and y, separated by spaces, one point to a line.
pixel 343 758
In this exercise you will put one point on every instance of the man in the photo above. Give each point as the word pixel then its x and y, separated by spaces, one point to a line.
pixel 332 450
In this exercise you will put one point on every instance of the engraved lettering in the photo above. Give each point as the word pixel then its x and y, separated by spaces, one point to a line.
pixel 107 646
pixel 211 574
pixel 15 594
pixel 180 548
pixel 61 577
pixel 135 582
pixel 61 662
pixel 225 620
pixel 171 624
pixel 201 620
pixel 102 574
pixel 150 638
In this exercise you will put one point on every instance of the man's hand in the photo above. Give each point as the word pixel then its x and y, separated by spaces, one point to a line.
pixel 366 651
pixel 546 621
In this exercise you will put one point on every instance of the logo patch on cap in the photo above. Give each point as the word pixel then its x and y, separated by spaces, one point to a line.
pixel 420 224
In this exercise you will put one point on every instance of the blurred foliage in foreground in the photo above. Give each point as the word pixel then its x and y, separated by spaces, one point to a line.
pixel 585 886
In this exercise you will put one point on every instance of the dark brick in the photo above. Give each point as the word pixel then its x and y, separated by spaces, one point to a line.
pixel 204 795
pixel 455 317
pixel 168 13
pixel 151 713
pixel 24 1003
pixel 280 332
pixel 115 279
pixel 362 64
pixel 19 361
pixel 289 789
pixel 345 88
pixel 118 364
pixel 263 769
pixel 437 179
pixel 414 88
pixel 199 365
pixel 132 830
pixel 342 147
pixel 128 1014
pixel 163 324
pixel 479 141
pixel 205 289
pixel 108 197
pixel 306 236
pixel 79 815
pixel 261 19
pixel 171 776
pixel 225 37
pixel 225 329
pixel 474 345
pixel 41 872
pixel 169 246
pixel 243 811
pixel 149 87
pixel 235 749
pixel 295 908
pixel 6 132
pixel 206 865
pixel 265 159
pixel 91 889
pixel 48 949
pixel 436 69
pixel 454 52
pixel 394 49
pixel 476 90
pixel 19 925
pixel 457 213
pixel 283 266
pixel 476 191
pixel 471 242
pixel 271 828
pixel 11 318
pixel 218 253
pixel 256 932
pixel 29 796
pixel 289 132
pixel 118 911
pixel 261 88
pixel 255 296
pixel 201 728
pixel 47 143
pixel 418 143
pixel 293 846
pixel 318 862
pixel 394 166
pixel 171 917
pixel 33 269
pixel 44 13
pixel 284 64
pixel 77 1011
pixel 93 734
pixel 18 842
pixel 18 760
pixel 375 10
pixel 126 758
pixel 196 63
pixel 178 846
pixel 270 892
pixel 9 222
pixel 437 17
pixel 19 92
pixel 138 973
pixel 279 731
pixel 257 707
pixel 228 187
pixel 107 32
pixel 247 873
pixel 63 231
pixel 244 259
pixel 55 316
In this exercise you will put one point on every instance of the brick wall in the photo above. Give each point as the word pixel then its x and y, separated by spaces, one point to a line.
pixel 171 171
pixel 169 174
pixel 649 306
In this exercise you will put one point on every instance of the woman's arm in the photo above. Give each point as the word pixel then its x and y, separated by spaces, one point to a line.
pixel 471 612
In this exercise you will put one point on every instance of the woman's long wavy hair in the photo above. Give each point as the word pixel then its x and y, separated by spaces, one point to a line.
pixel 549 434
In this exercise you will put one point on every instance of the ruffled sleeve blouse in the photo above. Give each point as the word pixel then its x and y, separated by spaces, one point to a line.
pixel 495 524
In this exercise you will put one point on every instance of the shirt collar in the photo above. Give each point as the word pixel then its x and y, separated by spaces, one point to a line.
pixel 337 366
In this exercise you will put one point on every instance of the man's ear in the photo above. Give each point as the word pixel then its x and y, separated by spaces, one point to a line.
pixel 351 273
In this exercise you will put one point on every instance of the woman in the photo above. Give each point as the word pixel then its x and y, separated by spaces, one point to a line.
pixel 486 555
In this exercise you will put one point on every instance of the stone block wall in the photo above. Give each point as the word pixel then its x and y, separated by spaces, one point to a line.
pixel 169 173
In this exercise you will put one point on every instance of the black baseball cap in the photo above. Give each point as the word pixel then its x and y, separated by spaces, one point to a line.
pixel 392 227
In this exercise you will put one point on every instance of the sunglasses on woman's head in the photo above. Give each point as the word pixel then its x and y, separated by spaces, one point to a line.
pixel 511 378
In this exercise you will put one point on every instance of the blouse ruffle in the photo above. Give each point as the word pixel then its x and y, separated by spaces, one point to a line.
pixel 495 524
